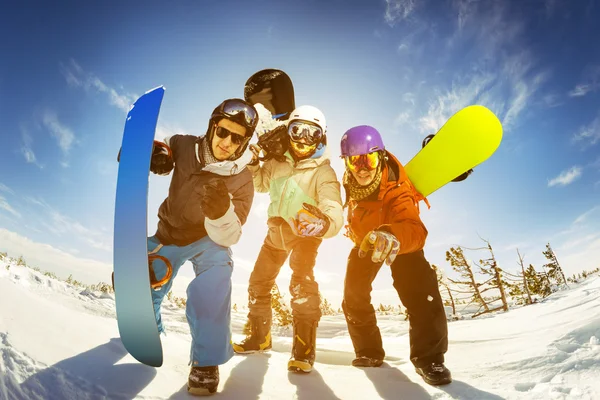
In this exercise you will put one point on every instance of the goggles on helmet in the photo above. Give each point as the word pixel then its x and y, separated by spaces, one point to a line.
pixel 369 161
pixel 302 130
pixel 240 112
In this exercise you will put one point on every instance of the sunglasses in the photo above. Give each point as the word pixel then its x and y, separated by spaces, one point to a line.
pixel 368 161
pixel 240 111
pixel 223 133
pixel 299 130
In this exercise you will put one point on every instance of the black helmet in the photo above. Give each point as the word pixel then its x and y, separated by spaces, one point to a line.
pixel 238 111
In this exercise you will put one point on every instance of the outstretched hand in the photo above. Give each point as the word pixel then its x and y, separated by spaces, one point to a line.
pixel 385 246
pixel 216 200
pixel 310 221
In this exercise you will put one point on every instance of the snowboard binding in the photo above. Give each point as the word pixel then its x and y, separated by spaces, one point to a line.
pixel 155 284
pixel 459 178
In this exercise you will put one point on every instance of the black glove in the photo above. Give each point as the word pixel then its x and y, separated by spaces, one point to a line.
pixel 216 200
pixel 161 162
pixel 274 143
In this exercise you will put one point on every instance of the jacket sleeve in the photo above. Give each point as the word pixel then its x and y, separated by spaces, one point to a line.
pixel 329 199
pixel 261 176
pixel 404 221
pixel 227 230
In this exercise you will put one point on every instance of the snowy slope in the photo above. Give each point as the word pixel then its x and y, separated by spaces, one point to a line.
pixel 58 341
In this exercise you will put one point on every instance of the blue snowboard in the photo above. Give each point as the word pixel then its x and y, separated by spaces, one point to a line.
pixel 133 296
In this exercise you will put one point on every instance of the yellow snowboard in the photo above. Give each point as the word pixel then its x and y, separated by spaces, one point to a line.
pixel 466 140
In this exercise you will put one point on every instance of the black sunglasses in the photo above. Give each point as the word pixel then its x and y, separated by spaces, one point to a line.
pixel 223 133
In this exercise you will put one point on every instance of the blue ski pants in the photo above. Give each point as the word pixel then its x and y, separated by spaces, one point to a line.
pixel 208 303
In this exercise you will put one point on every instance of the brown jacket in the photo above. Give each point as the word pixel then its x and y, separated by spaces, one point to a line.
pixel 181 219
pixel 394 208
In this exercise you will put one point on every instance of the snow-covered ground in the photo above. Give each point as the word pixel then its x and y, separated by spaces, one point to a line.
pixel 59 341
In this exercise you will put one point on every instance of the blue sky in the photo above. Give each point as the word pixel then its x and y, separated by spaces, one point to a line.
pixel 68 74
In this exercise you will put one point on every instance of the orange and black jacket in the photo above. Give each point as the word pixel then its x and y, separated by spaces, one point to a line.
pixel 393 208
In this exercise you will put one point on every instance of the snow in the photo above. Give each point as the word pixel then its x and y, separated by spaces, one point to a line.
pixel 59 341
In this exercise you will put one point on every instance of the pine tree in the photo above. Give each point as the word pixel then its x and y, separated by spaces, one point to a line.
pixel 281 312
pixel 325 306
pixel 554 270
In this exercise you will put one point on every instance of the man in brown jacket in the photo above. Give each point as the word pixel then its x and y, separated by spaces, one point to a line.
pixel 209 199
pixel 384 225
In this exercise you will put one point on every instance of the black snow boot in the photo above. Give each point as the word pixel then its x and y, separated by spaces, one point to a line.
pixel 366 362
pixel 203 381
pixel 303 348
pixel 259 338
pixel 435 374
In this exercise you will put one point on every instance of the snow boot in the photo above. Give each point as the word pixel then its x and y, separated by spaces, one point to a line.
pixel 259 338
pixel 435 374
pixel 366 362
pixel 203 381
pixel 303 348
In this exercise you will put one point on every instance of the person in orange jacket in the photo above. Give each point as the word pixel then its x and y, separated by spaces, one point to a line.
pixel 384 224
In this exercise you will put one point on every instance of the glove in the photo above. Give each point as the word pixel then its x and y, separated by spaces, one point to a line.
pixel 274 143
pixel 216 200
pixel 310 221
pixel 385 246
pixel 162 160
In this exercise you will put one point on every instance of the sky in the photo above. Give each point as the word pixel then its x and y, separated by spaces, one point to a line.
pixel 69 73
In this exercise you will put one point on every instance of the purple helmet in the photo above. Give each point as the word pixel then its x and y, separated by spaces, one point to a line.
pixel 362 139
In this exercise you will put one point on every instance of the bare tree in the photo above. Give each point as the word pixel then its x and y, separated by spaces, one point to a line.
pixel 442 282
pixel 525 283
pixel 460 264
pixel 492 269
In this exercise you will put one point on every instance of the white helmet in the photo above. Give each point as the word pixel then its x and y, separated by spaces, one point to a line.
pixel 310 114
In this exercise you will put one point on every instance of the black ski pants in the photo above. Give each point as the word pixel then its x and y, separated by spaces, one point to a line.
pixel 416 284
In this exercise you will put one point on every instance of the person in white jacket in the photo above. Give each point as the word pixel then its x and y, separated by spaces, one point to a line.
pixel 305 209
pixel 209 199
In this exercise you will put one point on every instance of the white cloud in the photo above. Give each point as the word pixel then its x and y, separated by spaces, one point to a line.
pixel 77 77
pixel 398 10
pixel 51 259
pixel 583 217
pixel 566 177
pixel 591 82
pixel 4 205
pixel 504 77
pixel 4 188
pixel 60 224
pixel 446 104
pixel 589 134
pixel 26 149
pixel 63 135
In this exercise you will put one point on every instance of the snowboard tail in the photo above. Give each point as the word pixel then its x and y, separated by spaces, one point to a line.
pixel 132 283
pixel 466 140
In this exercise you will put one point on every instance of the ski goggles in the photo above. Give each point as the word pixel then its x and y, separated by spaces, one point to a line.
pixel 368 161
pixel 223 133
pixel 240 112
pixel 299 130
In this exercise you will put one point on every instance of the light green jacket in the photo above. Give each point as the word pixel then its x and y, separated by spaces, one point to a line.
pixel 311 181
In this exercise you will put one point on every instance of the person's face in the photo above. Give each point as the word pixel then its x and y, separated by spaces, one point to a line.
pixel 223 148
pixel 364 167
pixel 364 177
